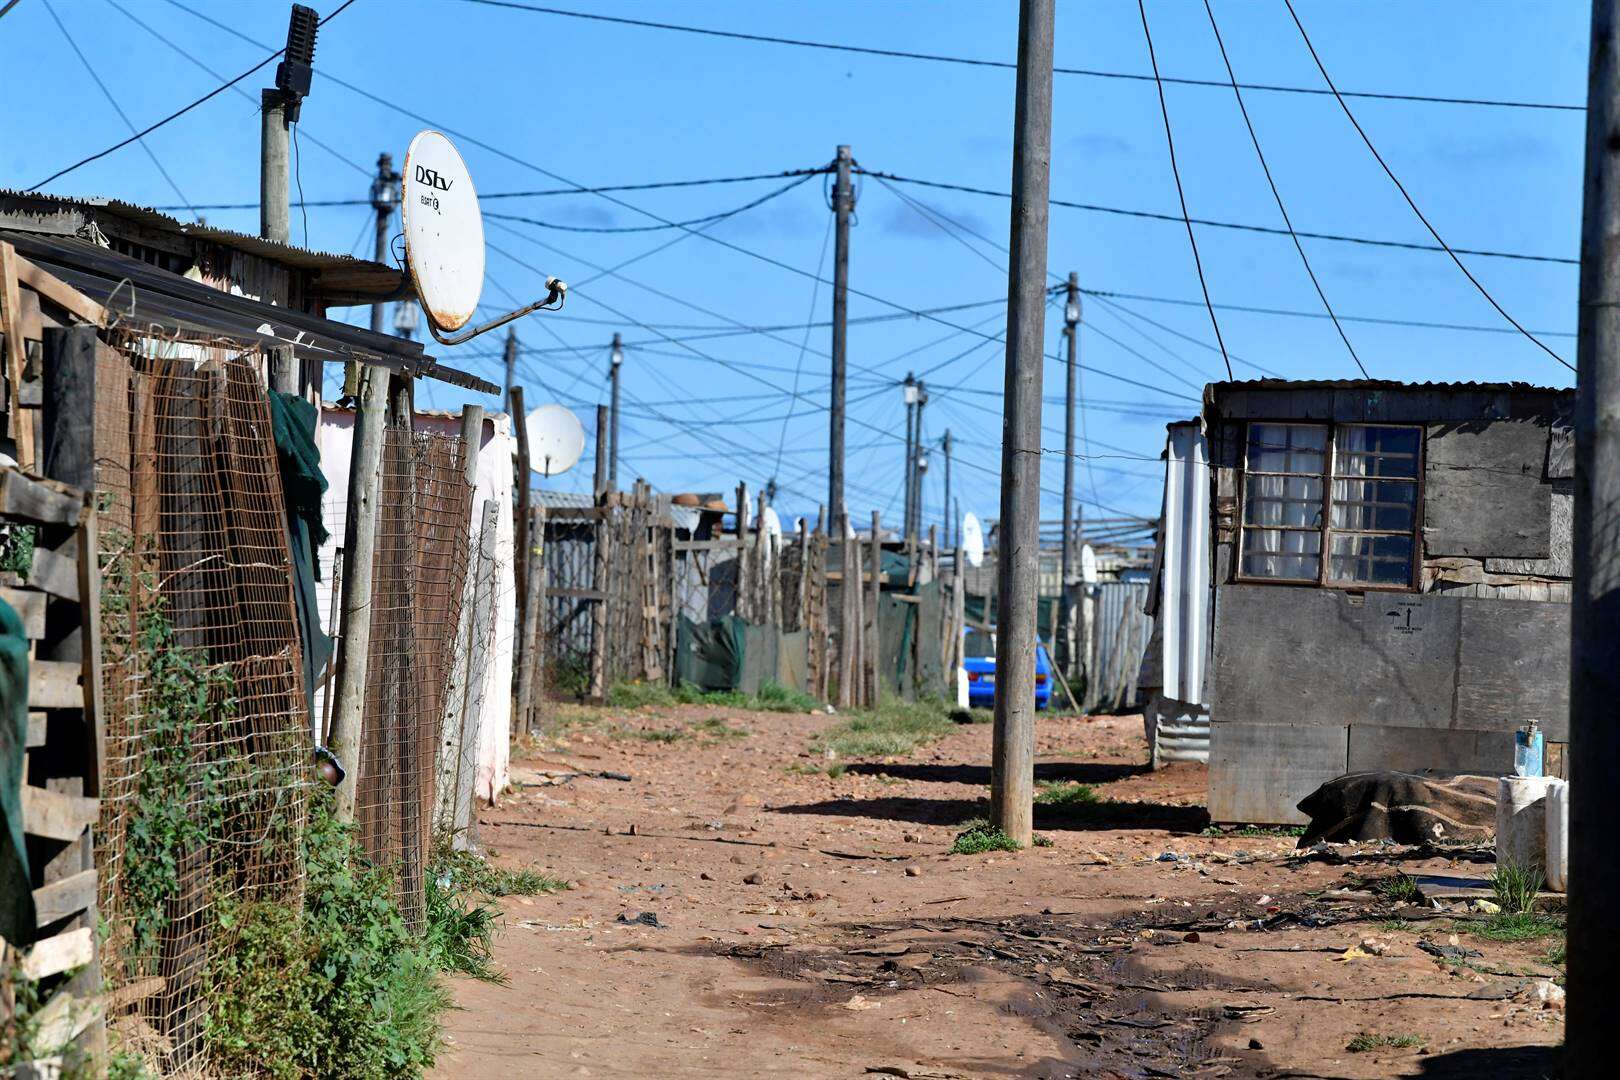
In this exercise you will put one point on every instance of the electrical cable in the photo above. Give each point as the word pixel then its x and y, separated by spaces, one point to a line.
pixel 113 101
pixel 1277 195
pixel 1181 194
pixel 298 177
pixel 708 219
pixel 58 174
pixel 1234 225
pixel 1402 189
pixel 1008 65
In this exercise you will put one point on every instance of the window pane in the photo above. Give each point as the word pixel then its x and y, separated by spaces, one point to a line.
pixel 1290 448
pixel 1281 553
pixel 1376 451
pixel 1371 560
pixel 1283 500
pixel 1374 505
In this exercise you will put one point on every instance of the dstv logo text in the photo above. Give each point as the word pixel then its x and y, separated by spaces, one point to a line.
pixel 431 178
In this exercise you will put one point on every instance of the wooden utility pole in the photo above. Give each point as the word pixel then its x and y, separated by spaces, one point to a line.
pixel 910 391
pixel 601 564
pixel 951 526
pixel 600 485
pixel 521 484
pixel 509 355
pixel 1594 860
pixel 919 466
pixel 274 213
pixel 1012 772
pixel 615 362
pixel 843 205
pixel 849 585
pixel 874 640
pixel 534 589
pixel 384 196
pixel 359 558
pixel 1071 330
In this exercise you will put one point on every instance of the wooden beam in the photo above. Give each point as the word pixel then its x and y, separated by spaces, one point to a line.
pixel 22 420
pixel 59 292
pixel 56 816
pixel 38 500
pixel 30 607
pixel 64 952
pixel 68 896
pixel 54 684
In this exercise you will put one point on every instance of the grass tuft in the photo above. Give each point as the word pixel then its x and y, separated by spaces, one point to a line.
pixel 893 729
pixel 1519 926
pixel 465 872
pixel 1516 887
pixel 1365 1042
pixel 1400 889
pixel 979 836
pixel 1257 831
pixel 772 697
pixel 1049 793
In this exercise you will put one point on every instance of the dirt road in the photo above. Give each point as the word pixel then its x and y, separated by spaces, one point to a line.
pixel 738 912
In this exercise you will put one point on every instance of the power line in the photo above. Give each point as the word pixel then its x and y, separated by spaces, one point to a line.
pixel 1402 189
pixel 708 219
pixel 1277 195
pixel 1212 223
pixel 58 174
pixel 1094 73
pixel 113 101
pixel 1164 111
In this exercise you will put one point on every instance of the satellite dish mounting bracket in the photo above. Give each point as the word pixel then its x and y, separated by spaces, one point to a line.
pixel 556 294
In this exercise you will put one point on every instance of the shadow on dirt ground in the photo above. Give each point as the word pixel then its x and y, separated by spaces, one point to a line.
pixel 1056 772
pixel 1096 816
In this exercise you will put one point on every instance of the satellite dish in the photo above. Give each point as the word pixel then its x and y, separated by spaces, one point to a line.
pixel 773 524
pixel 972 540
pixel 444 241
pixel 556 439
pixel 1088 565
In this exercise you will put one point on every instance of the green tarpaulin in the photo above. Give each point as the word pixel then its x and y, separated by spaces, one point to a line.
pixel 293 422
pixel 16 898
pixel 730 654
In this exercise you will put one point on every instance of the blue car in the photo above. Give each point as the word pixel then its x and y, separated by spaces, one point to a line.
pixel 979 660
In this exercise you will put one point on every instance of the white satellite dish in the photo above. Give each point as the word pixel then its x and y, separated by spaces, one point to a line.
pixel 1088 565
pixel 972 540
pixel 773 524
pixel 556 439
pixel 444 241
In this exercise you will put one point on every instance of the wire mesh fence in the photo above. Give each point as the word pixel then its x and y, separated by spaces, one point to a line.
pixel 420 565
pixel 203 692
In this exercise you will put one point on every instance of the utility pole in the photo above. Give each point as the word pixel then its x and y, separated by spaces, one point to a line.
pixel 509 357
pixel 843 204
pixel 919 465
pixel 278 111
pixel 384 193
pixel 613 420
pixel 1594 669
pixel 1012 770
pixel 951 527
pixel 1071 330
pixel 910 394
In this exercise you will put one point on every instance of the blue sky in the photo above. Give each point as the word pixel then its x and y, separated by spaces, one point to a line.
pixel 608 104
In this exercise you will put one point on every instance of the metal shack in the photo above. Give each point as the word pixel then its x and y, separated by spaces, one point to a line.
pixel 1391 568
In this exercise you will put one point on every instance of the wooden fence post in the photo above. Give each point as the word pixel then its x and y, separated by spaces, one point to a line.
pixel 480 631
pixel 450 746
pixel 848 586
pixel 874 641
pixel 528 639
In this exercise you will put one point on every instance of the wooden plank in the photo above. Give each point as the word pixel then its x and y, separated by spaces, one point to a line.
pixel 68 896
pixel 579 594
pixel 1426 750
pixel 54 684
pixel 692 545
pixel 1513 666
pixel 30 607
pixel 22 420
pixel 55 573
pixel 61 1020
pixel 1258 773
pixel 23 497
pixel 95 721
pixel 1483 493
pixel 64 952
pixel 1561 452
pixel 55 815
pixel 36 730
pixel 59 292
pixel 1560 562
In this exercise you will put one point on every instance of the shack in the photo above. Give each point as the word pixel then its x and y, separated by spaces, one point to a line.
pixel 1391 578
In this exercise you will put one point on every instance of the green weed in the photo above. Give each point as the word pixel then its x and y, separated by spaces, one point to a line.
pixel 1519 926
pixel 1390 926
pixel 1516 887
pixel 1052 794
pixel 1554 955
pixel 465 872
pixel 1365 1042
pixel 980 836
pixel 771 697
pixel 1399 889
pixel 893 729
pixel 1249 831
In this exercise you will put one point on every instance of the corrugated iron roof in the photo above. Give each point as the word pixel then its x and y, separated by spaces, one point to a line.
pixel 1380 384
pixel 337 273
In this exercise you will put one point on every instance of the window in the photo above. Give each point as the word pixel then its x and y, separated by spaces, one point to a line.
pixel 1348 492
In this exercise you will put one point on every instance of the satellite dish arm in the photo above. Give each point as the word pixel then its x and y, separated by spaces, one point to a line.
pixel 557 292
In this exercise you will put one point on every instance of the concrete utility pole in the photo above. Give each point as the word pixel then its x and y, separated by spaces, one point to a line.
pixel 279 107
pixel 384 197
pixel 273 198
pixel 910 396
pixel 1594 669
pixel 614 365
pixel 843 204
pixel 1012 771
pixel 919 464
pixel 952 528
pixel 1071 330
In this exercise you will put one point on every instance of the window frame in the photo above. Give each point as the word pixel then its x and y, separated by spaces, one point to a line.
pixel 1326 529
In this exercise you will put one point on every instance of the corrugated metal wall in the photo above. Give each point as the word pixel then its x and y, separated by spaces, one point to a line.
pixel 1184 602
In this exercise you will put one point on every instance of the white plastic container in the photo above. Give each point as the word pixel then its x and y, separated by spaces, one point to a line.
pixel 1557 812
pixel 1521 825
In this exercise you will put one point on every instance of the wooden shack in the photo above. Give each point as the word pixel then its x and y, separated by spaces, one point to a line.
pixel 1391 569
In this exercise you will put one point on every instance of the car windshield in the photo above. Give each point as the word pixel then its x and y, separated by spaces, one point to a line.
pixel 978 643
